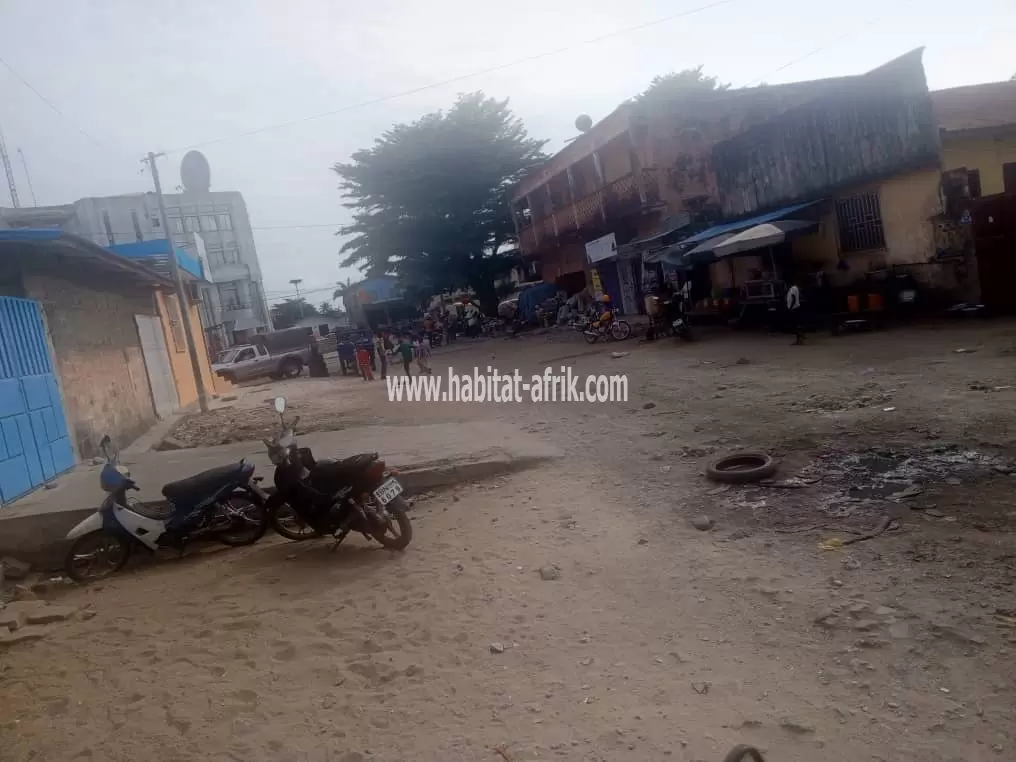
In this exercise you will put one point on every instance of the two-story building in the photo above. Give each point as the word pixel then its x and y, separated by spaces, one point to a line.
pixel 637 181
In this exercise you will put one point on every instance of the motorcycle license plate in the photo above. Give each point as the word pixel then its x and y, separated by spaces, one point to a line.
pixel 388 491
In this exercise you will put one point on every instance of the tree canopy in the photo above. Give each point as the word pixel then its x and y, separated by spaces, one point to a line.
pixel 286 314
pixel 680 83
pixel 430 199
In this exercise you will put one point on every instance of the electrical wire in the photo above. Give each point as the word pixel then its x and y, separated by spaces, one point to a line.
pixel 453 80
pixel 52 105
pixel 846 35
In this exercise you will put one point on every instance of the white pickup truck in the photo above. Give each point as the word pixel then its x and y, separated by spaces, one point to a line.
pixel 246 361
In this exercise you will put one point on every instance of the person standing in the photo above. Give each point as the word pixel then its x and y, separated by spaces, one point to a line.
pixel 423 355
pixel 405 350
pixel 363 361
pixel 794 312
pixel 381 352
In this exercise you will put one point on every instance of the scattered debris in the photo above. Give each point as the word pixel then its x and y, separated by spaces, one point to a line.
pixel 497 648
pixel 703 522
pixel 743 361
pixel 618 355
pixel 912 491
pixel 964 351
pixel 797 728
pixel 14 569
pixel 170 443
pixel 648 405
pixel 550 572
pixel 700 688
pixel 888 409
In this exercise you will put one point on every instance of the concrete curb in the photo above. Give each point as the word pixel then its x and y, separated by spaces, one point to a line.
pixel 40 540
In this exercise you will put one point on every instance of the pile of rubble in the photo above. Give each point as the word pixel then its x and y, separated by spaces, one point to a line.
pixel 23 616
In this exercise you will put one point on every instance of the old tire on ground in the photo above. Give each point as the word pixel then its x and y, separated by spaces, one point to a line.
pixel 291 368
pixel 741 468
pixel 96 555
pixel 400 518
pixel 743 753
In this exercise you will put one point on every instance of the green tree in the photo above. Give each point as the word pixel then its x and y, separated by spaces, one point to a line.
pixel 286 314
pixel 327 309
pixel 681 83
pixel 430 199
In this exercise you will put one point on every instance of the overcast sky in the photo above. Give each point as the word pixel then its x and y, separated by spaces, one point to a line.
pixel 141 75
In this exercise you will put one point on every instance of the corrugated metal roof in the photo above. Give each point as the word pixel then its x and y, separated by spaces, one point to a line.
pixel 153 254
pixel 68 243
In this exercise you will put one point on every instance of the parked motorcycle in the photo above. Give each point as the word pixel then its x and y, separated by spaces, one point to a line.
pixel 223 504
pixel 615 329
pixel 317 497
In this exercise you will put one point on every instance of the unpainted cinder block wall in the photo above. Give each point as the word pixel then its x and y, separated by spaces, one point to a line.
pixel 90 318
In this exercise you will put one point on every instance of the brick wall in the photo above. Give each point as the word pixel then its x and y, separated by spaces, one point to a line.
pixel 90 318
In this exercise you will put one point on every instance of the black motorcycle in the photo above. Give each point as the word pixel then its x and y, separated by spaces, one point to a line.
pixel 224 504
pixel 318 497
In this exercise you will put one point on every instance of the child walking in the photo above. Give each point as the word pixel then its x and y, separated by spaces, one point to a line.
pixel 363 360
pixel 422 351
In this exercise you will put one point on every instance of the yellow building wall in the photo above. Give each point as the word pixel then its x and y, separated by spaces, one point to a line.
pixel 908 202
pixel 986 154
pixel 179 357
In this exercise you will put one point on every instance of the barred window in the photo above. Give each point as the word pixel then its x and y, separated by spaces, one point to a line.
pixel 860 223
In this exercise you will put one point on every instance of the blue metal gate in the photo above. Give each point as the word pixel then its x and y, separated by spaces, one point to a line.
pixel 34 445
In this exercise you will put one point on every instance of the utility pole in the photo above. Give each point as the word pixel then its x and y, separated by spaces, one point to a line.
pixel 296 283
pixel 181 294
pixel 24 163
pixel 5 160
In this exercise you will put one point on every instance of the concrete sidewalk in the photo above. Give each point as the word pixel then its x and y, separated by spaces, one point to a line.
pixel 427 456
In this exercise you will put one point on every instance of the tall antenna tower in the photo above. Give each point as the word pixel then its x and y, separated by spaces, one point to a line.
pixel 6 161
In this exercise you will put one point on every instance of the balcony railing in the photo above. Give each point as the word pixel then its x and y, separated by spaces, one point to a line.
pixel 618 198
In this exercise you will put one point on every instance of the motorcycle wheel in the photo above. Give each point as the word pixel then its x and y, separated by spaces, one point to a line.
pixel 248 527
pixel 399 532
pixel 287 524
pixel 620 330
pixel 591 336
pixel 96 555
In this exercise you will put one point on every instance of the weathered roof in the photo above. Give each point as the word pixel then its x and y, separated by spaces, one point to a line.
pixel 975 107
pixel 52 239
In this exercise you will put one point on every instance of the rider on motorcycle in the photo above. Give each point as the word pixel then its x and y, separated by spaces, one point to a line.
pixel 605 318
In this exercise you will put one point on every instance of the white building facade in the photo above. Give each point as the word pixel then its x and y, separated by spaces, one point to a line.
pixel 212 225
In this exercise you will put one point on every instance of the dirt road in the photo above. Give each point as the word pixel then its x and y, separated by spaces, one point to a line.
pixel 651 639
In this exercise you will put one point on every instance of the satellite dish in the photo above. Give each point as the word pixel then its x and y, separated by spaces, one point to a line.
pixel 195 172
pixel 583 122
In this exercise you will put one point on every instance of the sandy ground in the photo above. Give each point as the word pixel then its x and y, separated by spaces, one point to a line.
pixel 657 641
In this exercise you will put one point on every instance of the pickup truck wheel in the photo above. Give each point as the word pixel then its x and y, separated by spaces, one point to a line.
pixel 291 368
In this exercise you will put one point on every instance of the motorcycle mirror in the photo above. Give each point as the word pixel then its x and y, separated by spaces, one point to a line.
pixel 280 405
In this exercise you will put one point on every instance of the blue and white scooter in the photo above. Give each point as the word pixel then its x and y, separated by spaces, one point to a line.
pixel 223 504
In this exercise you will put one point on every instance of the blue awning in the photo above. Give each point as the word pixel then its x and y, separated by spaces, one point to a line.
pixel 739 225
pixel 153 253
pixel 54 239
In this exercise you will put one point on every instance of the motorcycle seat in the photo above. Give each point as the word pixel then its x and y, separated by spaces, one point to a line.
pixel 205 483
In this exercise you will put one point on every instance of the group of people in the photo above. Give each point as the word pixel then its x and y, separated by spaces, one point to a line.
pixel 372 351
